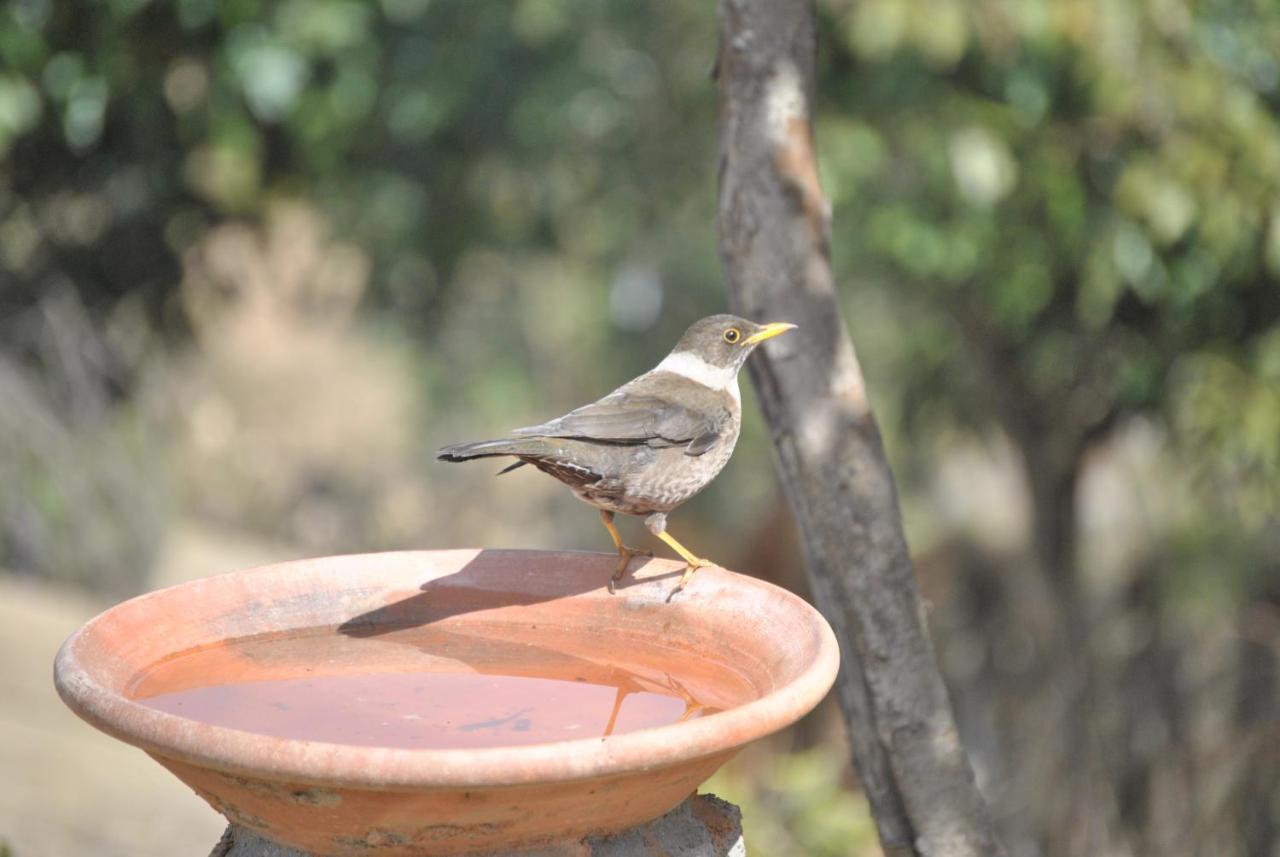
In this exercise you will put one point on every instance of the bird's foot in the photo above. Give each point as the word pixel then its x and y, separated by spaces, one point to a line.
pixel 691 566
pixel 625 554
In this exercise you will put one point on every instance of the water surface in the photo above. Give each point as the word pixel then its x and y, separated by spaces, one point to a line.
pixel 439 688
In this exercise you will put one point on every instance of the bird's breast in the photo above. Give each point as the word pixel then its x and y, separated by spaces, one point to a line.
pixel 669 477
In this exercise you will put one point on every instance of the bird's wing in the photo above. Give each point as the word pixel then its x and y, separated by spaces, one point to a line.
pixel 628 418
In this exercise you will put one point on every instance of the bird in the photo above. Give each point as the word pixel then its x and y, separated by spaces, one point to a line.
pixel 651 444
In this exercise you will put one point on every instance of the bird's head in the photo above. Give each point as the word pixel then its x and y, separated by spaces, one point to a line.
pixel 713 350
pixel 724 341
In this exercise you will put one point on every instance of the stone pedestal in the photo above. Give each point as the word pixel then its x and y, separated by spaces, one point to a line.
pixel 702 826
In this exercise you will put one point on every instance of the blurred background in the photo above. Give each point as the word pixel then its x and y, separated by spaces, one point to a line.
pixel 258 260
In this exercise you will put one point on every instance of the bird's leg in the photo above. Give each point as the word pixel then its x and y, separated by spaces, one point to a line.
pixel 657 524
pixel 692 563
pixel 624 553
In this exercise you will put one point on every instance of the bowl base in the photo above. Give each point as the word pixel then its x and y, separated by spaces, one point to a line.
pixel 702 826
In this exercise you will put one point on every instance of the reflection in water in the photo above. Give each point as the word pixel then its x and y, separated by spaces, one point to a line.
pixel 438 688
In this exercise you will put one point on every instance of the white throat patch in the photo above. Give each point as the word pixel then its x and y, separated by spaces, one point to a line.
pixel 689 365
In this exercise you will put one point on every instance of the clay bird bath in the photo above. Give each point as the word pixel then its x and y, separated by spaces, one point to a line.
pixel 447 702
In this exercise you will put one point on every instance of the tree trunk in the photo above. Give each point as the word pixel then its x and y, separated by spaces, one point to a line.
pixel 774 248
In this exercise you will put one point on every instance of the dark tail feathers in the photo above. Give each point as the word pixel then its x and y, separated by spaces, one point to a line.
pixel 492 448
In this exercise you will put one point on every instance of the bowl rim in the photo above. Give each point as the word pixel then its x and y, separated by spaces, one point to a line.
pixel 252 754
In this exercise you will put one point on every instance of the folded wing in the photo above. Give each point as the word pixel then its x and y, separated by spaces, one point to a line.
pixel 625 418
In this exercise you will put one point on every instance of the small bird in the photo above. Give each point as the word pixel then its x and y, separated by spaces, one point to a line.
pixel 652 443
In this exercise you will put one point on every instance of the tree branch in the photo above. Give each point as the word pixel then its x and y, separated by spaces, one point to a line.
pixel 774 227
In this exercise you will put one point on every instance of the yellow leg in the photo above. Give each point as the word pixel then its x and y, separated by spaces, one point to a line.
pixel 624 553
pixel 692 563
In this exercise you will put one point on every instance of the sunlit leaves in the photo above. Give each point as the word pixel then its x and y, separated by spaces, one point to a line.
pixel 983 166
pixel 1227 408
pixel 269 73
pixel 19 108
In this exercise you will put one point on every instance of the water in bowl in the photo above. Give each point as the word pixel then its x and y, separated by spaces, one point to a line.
pixel 431 687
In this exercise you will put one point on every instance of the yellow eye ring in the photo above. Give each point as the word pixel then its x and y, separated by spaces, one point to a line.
pixel 732 335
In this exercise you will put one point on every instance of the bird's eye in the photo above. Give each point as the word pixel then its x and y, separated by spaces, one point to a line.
pixel 732 335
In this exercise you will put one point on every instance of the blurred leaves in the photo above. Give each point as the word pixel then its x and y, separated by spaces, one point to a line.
pixel 19 108
pixel 437 126
pixel 1084 197
pixel 1231 409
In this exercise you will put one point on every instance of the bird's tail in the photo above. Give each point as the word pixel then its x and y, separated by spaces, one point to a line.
pixel 492 448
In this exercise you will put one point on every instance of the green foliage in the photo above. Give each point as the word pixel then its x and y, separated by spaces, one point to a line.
pixel 1081 198
pixel 1229 405
pixel 427 129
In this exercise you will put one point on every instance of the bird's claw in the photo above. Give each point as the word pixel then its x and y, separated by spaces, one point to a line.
pixel 625 555
pixel 690 567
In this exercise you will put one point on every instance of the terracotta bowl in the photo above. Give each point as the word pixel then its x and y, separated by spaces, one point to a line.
pixel 343 799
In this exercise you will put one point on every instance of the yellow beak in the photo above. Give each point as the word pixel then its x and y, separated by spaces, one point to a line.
pixel 769 331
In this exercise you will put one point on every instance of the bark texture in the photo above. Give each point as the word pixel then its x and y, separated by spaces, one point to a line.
pixel 774 245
